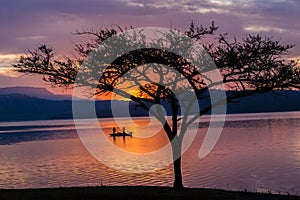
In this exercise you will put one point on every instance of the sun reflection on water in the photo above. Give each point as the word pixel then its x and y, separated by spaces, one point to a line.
pixel 139 142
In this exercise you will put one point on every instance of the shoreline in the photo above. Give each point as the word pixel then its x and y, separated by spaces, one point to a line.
pixel 134 192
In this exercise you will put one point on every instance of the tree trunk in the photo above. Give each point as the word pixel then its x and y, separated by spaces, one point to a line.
pixel 176 150
pixel 177 174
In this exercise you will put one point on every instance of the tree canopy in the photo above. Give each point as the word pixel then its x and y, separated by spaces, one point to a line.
pixel 252 65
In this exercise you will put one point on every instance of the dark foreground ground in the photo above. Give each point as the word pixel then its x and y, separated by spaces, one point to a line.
pixel 143 193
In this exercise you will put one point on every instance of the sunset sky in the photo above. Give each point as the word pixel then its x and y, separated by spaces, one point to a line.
pixel 25 23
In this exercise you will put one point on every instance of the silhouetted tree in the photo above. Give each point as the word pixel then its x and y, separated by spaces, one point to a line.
pixel 252 65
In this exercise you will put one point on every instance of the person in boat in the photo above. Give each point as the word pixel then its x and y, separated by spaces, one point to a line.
pixel 124 130
pixel 114 130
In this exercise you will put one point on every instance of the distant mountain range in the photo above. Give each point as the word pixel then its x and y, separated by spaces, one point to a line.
pixel 27 103
pixel 42 93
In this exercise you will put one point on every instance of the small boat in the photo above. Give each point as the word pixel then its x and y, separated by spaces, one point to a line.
pixel 121 134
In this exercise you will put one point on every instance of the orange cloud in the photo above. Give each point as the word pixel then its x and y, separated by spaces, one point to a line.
pixel 297 59
pixel 6 61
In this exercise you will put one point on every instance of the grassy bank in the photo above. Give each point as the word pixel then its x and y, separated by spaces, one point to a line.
pixel 143 193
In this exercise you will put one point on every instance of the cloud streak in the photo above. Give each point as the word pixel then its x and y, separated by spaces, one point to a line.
pixel 6 61
pixel 33 37
pixel 254 28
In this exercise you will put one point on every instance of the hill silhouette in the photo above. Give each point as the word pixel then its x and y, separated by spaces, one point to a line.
pixel 38 92
pixel 16 106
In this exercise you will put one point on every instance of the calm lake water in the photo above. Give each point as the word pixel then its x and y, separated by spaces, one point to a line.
pixel 255 152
